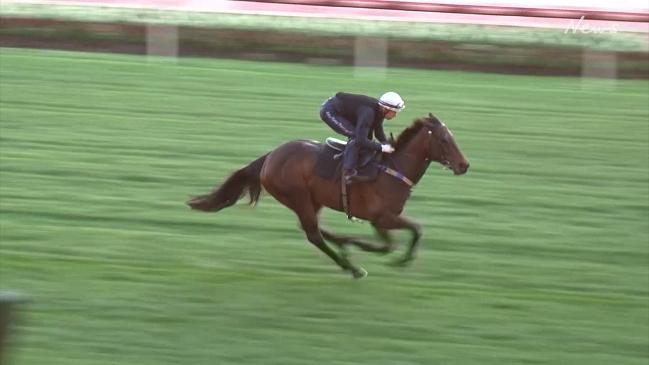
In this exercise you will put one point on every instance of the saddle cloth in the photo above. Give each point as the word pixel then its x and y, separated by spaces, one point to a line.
pixel 329 162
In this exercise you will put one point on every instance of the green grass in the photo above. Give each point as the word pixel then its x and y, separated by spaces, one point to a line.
pixel 539 255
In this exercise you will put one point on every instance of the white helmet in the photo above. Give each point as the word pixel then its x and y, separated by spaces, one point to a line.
pixel 392 101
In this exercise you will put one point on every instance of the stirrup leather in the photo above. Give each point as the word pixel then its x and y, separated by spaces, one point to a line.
pixel 345 199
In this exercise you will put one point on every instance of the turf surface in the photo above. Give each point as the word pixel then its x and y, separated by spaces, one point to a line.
pixel 539 255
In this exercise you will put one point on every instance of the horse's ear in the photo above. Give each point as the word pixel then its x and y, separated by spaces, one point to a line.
pixel 433 119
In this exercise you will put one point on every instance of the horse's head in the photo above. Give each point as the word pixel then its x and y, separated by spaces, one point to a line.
pixel 443 148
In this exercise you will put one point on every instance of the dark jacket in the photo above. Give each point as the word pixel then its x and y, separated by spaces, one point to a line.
pixel 364 112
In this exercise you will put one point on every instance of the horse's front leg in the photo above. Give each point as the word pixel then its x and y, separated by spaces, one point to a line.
pixel 343 241
pixel 386 238
pixel 389 221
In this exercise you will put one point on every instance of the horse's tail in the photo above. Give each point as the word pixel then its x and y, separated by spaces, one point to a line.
pixel 242 180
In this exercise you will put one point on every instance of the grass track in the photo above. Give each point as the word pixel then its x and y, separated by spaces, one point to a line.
pixel 539 255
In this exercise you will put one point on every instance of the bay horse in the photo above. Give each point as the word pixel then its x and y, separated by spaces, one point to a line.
pixel 287 173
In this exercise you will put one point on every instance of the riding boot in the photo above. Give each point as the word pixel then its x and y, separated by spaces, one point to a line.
pixel 350 158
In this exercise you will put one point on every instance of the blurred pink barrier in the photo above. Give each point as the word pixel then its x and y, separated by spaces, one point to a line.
pixel 630 16
pixel 485 8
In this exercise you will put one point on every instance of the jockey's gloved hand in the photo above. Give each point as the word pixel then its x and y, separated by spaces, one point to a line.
pixel 387 148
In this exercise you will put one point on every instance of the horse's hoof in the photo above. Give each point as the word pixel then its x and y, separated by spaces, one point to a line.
pixel 402 262
pixel 359 273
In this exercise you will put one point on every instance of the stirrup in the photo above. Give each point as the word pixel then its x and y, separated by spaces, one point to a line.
pixel 348 177
pixel 356 177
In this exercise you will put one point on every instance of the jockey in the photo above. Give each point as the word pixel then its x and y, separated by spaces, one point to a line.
pixel 359 118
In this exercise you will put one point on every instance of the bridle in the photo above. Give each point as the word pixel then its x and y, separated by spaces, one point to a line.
pixel 443 160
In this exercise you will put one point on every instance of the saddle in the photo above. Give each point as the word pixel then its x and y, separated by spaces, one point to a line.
pixel 329 162
pixel 329 166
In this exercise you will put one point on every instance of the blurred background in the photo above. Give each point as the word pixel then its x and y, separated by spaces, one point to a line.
pixel 112 113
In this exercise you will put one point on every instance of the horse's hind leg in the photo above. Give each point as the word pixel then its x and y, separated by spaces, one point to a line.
pixel 308 217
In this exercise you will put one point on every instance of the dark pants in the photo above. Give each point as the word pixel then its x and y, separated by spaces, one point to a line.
pixel 342 126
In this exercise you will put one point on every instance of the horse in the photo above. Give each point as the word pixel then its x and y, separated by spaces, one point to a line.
pixel 287 173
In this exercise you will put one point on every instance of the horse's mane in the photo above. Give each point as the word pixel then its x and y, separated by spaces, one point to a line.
pixel 412 131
